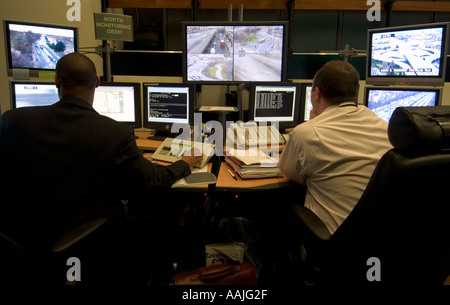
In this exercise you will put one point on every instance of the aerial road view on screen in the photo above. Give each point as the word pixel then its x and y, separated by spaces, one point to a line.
pixel 234 53
pixel 384 102
pixel 39 47
pixel 408 53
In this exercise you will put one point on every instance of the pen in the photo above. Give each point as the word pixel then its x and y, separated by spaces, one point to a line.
pixel 232 175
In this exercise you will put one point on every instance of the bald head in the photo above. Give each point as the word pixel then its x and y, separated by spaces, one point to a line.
pixel 76 76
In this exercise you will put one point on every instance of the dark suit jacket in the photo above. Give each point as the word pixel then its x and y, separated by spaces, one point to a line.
pixel 63 164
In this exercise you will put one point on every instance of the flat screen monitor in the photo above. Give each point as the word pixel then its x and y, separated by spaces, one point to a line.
pixel 37 46
pixel 166 104
pixel 119 101
pixel 383 100
pixel 305 102
pixel 29 93
pixel 275 102
pixel 234 52
pixel 407 55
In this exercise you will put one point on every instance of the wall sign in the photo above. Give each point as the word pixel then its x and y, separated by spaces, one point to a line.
pixel 113 27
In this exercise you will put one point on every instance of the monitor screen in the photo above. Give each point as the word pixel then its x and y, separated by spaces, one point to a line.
pixel 38 46
pixel 275 102
pixel 383 101
pixel 305 102
pixel 407 55
pixel 234 52
pixel 166 104
pixel 120 102
pixel 26 94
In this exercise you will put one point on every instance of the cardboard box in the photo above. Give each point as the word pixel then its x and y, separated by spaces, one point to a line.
pixel 224 253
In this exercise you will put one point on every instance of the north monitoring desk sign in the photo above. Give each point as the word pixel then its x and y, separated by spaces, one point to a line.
pixel 113 27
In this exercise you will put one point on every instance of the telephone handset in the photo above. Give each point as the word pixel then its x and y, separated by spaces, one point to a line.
pixel 207 153
pixel 172 150
pixel 249 134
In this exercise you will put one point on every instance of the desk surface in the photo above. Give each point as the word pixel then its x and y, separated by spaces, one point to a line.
pixel 226 183
pixel 144 143
pixel 224 180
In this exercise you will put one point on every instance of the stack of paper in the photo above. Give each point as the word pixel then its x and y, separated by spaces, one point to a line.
pixel 252 163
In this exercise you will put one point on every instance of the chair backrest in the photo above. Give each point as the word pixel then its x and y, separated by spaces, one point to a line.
pixel 14 260
pixel 403 217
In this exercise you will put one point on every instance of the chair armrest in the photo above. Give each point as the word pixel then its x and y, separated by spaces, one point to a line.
pixel 77 234
pixel 312 222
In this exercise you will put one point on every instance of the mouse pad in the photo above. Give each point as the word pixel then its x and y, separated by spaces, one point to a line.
pixel 200 178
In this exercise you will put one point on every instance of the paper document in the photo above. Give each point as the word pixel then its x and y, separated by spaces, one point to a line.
pixel 253 163
pixel 253 156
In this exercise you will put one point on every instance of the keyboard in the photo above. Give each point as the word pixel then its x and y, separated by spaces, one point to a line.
pixel 265 135
pixel 218 108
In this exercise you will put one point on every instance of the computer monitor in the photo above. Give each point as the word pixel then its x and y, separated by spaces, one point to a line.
pixel 119 101
pixel 305 102
pixel 234 52
pixel 275 102
pixel 383 100
pixel 30 93
pixel 166 104
pixel 407 55
pixel 38 46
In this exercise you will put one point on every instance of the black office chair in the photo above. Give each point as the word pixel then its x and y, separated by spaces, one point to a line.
pixel 403 217
pixel 21 265
pixel 13 260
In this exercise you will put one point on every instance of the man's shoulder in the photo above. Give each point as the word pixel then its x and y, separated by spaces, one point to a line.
pixel 22 112
pixel 102 119
pixel 302 128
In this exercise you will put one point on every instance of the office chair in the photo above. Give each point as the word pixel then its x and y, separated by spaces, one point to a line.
pixel 399 231
pixel 13 260
pixel 19 265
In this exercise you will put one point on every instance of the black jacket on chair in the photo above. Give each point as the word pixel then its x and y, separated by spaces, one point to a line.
pixel 64 164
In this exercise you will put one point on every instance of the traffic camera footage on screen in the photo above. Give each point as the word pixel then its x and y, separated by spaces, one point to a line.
pixel 39 47
pixel 234 53
pixel 407 52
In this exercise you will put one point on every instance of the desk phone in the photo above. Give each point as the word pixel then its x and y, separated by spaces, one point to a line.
pixel 172 150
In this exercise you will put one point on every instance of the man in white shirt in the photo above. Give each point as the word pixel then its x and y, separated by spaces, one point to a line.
pixel 335 153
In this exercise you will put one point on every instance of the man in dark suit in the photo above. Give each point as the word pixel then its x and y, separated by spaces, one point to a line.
pixel 64 164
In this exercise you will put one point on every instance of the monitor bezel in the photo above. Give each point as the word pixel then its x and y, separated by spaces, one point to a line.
pixel 7 38
pixel 283 75
pixel 403 80
pixel 283 125
pixel 12 90
pixel 301 116
pixel 367 89
pixel 166 126
pixel 137 101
